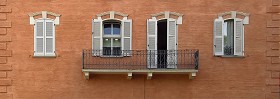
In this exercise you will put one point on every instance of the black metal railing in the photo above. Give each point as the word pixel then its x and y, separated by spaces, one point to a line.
pixel 141 59
pixel 228 50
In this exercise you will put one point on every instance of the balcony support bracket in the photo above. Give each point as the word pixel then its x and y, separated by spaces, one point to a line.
pixel 129 76
pixel 192 75
pixel 149 75
pixel 87 75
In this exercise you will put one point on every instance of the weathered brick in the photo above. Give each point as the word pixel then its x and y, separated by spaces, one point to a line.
pixel 273 67
pixel 273 9
pixel 3 3
pixel 3 31
pixel 269 53
pixel 275 74
pixel 273 30
pixel 272 82
pixel 5 53
pixel 275 46
pixel 5 24
pixel 3 46
pixel 5 38
pixel 5 67
pixel 3 89
pixel 274 89
pixel 275 16
pixel 273 23
pixel 3 16
pixel 6 96
pixel 275 2
pixel 3 60
pixel 275 60
pixel 273 38
pixel 5 10
pixel 272 96
pixel 5 82
pixel 3 74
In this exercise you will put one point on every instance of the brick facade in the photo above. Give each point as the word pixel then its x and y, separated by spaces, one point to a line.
pixel 22 76
pixel 273 53
pixel 5 52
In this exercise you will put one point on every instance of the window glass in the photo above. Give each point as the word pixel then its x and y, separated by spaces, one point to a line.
pixel 112 44
pixel 229 37
pixel 107 42
pixel 107 29
pixel 116 29
pixel 117 46
pixel 117 42
pixel 106 46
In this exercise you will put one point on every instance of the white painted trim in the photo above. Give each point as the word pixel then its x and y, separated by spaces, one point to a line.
pixel 167 16
pixel 234 14
pixel 44 16
pixel 149 75
pixel 129 76
pixel 214 37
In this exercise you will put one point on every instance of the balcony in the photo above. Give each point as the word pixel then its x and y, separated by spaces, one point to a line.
pixel 140 62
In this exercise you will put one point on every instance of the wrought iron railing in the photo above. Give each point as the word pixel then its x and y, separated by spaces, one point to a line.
pixel 141 59
pixel 228 50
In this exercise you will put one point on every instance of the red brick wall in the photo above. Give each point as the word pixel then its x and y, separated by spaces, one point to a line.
pixel 61 77
pixel 272 52
pixel 5 52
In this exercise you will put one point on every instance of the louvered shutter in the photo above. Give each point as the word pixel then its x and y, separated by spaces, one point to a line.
pixel 49 38
pixel 39 38
pixel 152 43
pixel 126 37
pixel 238 37
pixel 97 37
pixel 218 37
pixel 171 43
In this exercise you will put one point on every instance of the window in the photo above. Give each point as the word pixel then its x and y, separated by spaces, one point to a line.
pixel 44 37
pixel 229 34
pixel 162 38
pixel 111 37
pixel 44 33
pixel 229 37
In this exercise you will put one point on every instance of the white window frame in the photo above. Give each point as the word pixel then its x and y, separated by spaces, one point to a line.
pixel 152 38
pixel 44 39
pixel 44 19
pixel 244 21
pixel 101 36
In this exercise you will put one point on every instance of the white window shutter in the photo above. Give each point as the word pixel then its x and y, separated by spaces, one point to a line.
pixel 151 43
pixel 49 38
pixel 218 37
pixel 238 37
pixel 39 38
pixel 97 37
pixel 171 43
pixel 126 37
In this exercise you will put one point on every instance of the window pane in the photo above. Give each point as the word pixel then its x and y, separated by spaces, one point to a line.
pixel 117 51
pixel 116 29
pixel 117 42
pixel 229 37
pixel 107 29
pixel 106 42
pixel 106 50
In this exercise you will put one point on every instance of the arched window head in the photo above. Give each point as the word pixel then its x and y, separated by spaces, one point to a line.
pixel 168 15
pixel 44 15
pixel 235 14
